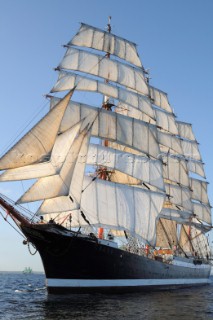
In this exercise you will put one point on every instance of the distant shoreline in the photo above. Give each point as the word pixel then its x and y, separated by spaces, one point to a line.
pixel 20 272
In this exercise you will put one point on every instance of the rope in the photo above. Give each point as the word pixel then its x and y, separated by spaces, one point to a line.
pixel 28 245
pixel 21 208
pixel 12 226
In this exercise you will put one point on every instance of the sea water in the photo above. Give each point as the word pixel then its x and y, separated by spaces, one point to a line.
pixel 24 296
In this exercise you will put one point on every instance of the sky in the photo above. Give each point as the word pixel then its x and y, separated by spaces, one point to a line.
pixel 174 39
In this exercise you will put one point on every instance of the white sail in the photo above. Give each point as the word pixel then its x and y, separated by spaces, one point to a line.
pixel 45 188
pixel 175 169
pixel 199 190
pixel 163 120
pixel 76 185
pixel 98 39
pixel 109 69
pixel 179 196
pixel 202 212
pixel 166 121
pixel 69 80
pixel 112 126
pixel 196 167
pixel 190 149
pixel 160 99
pixel 32 171
pixel 59 184
pixel 133 133
pixel 185 130
pixel 142 168
pixel 57 205
pixel 121 147
pixel 169 141
pixel 179 216
pixel 200 243
pixel 39 141
pixel 44 169
pixel 193 241
pixel 104 203
pixel 127 110
pixel 77 112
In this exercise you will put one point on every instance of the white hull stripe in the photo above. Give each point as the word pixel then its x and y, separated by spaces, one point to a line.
pixel 78 283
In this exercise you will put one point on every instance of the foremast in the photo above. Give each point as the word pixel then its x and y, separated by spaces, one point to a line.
pixel 103 173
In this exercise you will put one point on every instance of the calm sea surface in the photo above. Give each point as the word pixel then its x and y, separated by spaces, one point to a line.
pixel 25 297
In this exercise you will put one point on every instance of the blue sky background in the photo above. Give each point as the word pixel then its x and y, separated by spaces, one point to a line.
pixel 175 40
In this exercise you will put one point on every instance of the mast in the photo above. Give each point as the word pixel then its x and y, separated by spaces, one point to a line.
pixel 106 103
pixel 103 172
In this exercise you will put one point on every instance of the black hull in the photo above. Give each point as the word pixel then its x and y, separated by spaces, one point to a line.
pixel 76 264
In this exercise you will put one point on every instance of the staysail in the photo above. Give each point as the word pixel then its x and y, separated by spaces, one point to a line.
pixel 39 141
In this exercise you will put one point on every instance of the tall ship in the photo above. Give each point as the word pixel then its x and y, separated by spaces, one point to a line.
pixel 118 180
pixel 27 270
